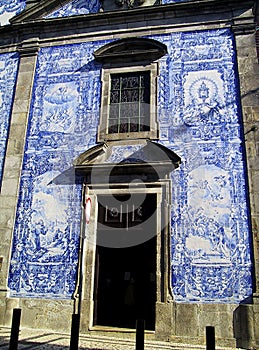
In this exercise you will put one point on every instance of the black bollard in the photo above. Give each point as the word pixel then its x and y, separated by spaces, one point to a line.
pixel 140 334
pixel 74 338
pixel 210 338
pixel 13 345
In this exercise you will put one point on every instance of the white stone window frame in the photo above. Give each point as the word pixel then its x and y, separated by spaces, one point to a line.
pixel 153 133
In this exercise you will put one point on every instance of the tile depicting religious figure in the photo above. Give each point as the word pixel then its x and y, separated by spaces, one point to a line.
pixel 63 123
pixel 201 119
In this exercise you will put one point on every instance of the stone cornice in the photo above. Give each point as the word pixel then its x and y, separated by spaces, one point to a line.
pixel 197 15
pixel 45 7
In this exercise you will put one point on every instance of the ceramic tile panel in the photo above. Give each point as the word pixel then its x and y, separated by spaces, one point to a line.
pixel 62 124
pixel 200 120
pixel 8 72
pixel 10 8
pixel 76 7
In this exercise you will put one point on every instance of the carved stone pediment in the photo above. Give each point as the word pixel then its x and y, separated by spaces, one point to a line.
pixel 146 160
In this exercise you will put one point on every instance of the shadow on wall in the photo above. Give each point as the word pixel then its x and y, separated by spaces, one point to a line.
pixel 243 325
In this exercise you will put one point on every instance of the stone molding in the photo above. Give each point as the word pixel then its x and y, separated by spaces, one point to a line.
pixel 174 17
pixel 28 47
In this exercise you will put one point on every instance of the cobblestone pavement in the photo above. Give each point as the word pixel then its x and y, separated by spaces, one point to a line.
pixel 42 339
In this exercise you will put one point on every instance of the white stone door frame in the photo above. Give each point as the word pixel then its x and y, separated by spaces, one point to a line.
pixel 162 189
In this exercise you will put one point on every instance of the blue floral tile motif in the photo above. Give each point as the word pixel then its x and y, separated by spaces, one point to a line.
pixel 200 120
pixel 8 72
pixel 76 7
pixel 62 124
pixel 10 8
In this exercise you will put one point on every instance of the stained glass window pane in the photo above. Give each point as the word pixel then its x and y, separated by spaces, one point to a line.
pixel 129 102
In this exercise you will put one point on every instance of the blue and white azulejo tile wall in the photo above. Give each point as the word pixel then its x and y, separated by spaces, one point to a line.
pixel 200 120
pixel 10 8
pixel 82 7
pixel 8 72
pixel 62 124
pixel 76 7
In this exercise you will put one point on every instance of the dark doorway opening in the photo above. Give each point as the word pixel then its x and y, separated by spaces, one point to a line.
pixel 125 279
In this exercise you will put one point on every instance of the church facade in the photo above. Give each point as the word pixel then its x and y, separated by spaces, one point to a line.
pixel 129 167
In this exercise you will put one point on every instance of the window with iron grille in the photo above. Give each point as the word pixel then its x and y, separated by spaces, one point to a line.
pixel 129 102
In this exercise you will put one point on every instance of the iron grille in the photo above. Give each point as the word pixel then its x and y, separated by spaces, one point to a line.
pixel 129 102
